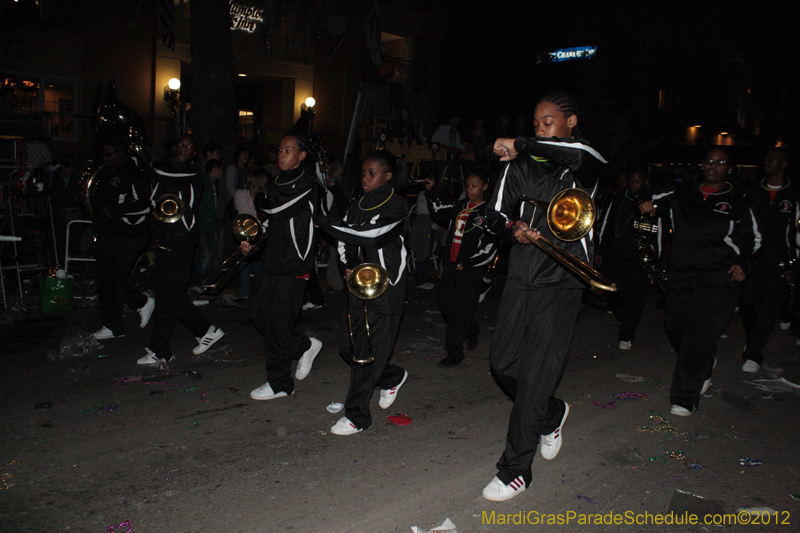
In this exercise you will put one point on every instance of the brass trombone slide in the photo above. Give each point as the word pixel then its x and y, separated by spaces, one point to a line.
pixel 366 281
pixel 570 216
pixel 246 228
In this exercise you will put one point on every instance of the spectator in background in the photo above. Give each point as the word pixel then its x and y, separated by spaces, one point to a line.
pixel 243 202
pixel 403 129
pixel 66 190
pixel 447 135
pixel 236 174
pixel 206 219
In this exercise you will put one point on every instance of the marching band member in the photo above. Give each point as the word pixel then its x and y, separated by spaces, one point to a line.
pixel 775 206
pixel 121 224
pixel 541 299
pixel 276 296
pixel 467 254
pixel 176 243
pixel 374 226
pixel 714 235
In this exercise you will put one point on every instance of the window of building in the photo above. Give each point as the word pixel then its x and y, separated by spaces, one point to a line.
pixel 246 124
pixel 42 94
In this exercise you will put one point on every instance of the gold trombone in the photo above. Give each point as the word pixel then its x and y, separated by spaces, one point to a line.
pixel 246 228
pixel 366 281
pixel 570 216
pixel 169 209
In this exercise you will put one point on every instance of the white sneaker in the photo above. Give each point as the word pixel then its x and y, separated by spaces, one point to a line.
pixel 785 325
pixel 496 491
pixel 344 427
pixel 624 345
pixel 426 286
pixel 212 335
pixel 551 444
pixel 679 411
pixel 146 311
pixel 150 358
pixel 105 333
pixel 389 395
pixel 307 359
pixel 264 392
pixel 707 383
pixel 310 305
pixel 751 366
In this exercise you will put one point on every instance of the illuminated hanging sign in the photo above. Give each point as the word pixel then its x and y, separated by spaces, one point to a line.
pixel 245 18
pixel 568 54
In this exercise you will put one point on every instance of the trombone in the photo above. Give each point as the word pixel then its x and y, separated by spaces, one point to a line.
pixel 366 282
pixel 169 209
pixel 246 228
pixel 570 216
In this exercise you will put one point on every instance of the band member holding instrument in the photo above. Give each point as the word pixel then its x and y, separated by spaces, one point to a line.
pixel 774 201
pixel 276 296
pixel 714 235
pixel 374 225
pixel 466 256
pixel 618 257
pixel 541 299
pixel 121 224
pixel 176 242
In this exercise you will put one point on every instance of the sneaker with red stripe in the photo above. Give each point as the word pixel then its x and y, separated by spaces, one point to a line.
pixel 551 444
pixel 497 491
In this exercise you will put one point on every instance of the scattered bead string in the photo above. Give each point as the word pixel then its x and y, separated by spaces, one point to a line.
pixel 5 475
pixel 680 456
pixel 189 389
pixel 664 425
pixel 101 407
pixel 194 424
pixel 586 498
pixel 127 523
pixel 627 395
pixel 125 381
pixel 204 394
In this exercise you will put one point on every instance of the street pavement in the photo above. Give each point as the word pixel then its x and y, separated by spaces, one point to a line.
pixel 97 444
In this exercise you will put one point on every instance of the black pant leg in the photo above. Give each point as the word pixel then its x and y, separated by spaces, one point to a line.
pixel 462 294
pixel 530 345
pixel 116 256
pixel 762 293
pixel 275 303
pixel 173 270
pixel 380 373
pixel 695 321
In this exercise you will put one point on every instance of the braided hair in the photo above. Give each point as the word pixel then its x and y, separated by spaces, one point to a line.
pixel 566 104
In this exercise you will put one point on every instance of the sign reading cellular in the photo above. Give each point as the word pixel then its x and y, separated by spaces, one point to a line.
pixel 568 54
pixel 245 18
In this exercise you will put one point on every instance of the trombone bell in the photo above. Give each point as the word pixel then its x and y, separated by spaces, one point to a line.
pixel 169 209
pixel 366 282
pixel 246 228
pixel 570 216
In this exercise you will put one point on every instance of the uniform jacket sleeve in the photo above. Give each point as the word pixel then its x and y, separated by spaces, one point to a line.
pixel 576 154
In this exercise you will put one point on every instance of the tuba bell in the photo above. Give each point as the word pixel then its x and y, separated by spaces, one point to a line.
pixel 366 282
pixel 570 216
pixel 113 120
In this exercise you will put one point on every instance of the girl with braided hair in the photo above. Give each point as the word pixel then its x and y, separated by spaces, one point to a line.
pixel 541 299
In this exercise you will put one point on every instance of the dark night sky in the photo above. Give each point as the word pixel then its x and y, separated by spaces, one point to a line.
pixel 705 57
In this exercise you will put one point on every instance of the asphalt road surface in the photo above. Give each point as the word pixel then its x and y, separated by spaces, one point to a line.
pixel 97 444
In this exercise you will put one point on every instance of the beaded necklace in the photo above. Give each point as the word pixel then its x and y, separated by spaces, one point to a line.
pixel 377 206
